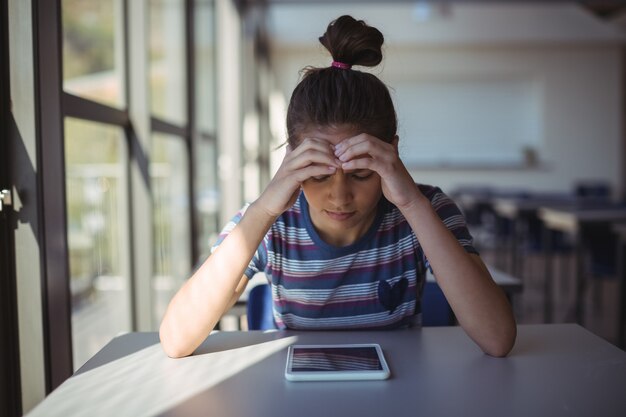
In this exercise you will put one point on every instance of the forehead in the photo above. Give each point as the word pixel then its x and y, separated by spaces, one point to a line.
pixel 332 134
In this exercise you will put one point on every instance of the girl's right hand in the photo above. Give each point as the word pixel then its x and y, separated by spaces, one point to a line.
pixel 313 157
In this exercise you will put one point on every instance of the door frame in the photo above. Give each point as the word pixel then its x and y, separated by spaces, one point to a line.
pixel 10 385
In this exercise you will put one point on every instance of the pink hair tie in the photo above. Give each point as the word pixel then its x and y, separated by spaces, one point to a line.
pixel 341 65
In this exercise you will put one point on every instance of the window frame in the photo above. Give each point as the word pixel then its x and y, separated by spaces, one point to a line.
pixel 53 105
pixel 51 184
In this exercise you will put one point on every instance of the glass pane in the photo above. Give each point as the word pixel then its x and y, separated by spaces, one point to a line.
pixel 172 234
pixel 93 50
pixel 205 65
pixel 207 196
pixel 98 238
pixel 167 60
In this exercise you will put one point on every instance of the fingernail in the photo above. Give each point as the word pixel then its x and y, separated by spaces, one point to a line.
pixel 330 168
pixel 343 157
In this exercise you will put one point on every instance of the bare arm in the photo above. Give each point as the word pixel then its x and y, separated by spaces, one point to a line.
pixel 479 304
pixel 216 285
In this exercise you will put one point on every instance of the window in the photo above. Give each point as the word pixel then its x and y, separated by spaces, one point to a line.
pixel 207 195
pixel 205 67
pixel 82 135
pixel 206 190
pixel 111 165
pixel 93 50
pixel 98 234
pixel 170 192
pixel 167 59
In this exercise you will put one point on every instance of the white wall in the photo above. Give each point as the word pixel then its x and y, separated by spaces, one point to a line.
pixel 580 125
pixel 580 89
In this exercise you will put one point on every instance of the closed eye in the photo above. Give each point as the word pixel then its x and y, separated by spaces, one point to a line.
pixel 321 178
pixel 362 175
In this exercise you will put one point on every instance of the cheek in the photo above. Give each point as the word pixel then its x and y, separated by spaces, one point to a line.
pixel 369 193
pixel 312 191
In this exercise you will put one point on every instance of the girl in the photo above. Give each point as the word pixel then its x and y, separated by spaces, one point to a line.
pixel 342 232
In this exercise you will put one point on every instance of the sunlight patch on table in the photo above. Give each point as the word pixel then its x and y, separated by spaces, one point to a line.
pixel 147 382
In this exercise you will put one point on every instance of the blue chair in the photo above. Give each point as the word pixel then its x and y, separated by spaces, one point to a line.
pixel 435 308
pixel 259 308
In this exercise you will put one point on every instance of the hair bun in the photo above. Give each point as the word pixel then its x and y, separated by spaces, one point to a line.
pixel 353 42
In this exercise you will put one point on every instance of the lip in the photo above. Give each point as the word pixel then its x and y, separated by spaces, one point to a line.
pixel 340 216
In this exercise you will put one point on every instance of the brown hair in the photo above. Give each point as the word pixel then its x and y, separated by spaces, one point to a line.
pixel 334 96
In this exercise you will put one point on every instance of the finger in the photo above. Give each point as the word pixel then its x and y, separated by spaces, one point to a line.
pixel 312 157
pixel 313 171
pixel 347 143
pixel 355 140
pixel 359 142
pixel 314 143
pixel 362 163
pixel 375 150
pixel 308 145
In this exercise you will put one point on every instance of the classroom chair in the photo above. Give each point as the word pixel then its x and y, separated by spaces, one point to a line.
pixel 435 308
pixel 259 308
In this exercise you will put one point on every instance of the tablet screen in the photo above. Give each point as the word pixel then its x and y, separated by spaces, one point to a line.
pixel 336 362
pixel 328 359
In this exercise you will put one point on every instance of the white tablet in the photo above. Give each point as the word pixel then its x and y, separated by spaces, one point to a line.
pixel 336 362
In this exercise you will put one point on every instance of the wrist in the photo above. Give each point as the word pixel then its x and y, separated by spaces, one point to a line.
pixel 417 204
pixel 412 198
pixel 261 213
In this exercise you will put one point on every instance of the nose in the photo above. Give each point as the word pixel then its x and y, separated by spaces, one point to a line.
pixel 339 191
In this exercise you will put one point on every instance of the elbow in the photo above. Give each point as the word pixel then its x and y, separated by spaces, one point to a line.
pixel 501 351
pixel 503 334
pixel 174 352
pixel 171 344
pixel 501 345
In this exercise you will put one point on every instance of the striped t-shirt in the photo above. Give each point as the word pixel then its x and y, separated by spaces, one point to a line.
pixel 376 282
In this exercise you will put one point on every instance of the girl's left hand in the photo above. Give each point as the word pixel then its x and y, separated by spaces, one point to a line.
pixel 365 151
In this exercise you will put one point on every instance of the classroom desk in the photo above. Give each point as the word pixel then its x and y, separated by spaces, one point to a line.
pixel 574 221
pixel 434 303
pixel 554 370
pixel 508 283
pixel 520 212
pixel 620 230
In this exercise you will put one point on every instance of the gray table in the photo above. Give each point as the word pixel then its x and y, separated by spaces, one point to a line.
pixel 574 221
pixel 521 212
pixel 554 370
pixel 509 284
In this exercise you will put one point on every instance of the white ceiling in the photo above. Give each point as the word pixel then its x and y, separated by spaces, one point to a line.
pixel 441 23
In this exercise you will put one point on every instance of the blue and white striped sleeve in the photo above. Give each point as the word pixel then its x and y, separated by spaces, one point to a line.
pixel 451 216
